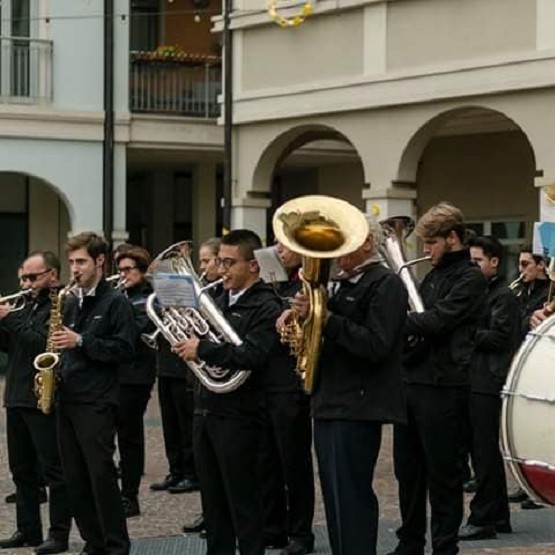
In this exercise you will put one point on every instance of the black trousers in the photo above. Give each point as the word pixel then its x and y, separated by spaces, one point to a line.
pixel 427 458
pixel 86 434
pixel 286 472
pixel 33 456
pixel 176 407
pixel 489 504
pixel 226 450
pixel 130 430
pixel 347 452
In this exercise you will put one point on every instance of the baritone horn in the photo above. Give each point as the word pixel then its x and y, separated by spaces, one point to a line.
pixel 319 228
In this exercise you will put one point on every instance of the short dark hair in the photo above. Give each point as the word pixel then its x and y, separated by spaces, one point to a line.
pixel 528 249
pixel 140 256
pixel 51 261
pixel 247 241
pixel 212 244
pixel 491 246
pixel 93 243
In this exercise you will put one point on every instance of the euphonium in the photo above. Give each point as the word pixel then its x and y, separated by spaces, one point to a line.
pixel 177 323
pixel 318 228
pixel 392 250
pixel 47 363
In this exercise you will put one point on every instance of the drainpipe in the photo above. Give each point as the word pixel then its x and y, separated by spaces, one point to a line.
pixel 228 118
pixel 108 143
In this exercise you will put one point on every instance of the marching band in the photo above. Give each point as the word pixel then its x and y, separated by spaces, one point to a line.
pixel 251 374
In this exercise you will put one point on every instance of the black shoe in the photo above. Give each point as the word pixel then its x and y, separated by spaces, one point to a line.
pixel 469 532
pixel 167 482
pixel 503 527
pixel 130 507
pixel 529 504
pixel 194 527
pixel 404 550
pixel 517 496
pixel 277 542
pixel 51 545
pixel 297 547
pixel 90 550
pixel 184 486
pixel 11 498
pixel 19 540
pixel 470 486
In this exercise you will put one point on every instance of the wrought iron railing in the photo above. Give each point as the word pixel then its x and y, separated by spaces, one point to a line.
pixel 174 86
pixel 25 70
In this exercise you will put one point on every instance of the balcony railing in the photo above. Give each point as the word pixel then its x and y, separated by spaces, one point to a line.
pixel 174 86
pixel 25 70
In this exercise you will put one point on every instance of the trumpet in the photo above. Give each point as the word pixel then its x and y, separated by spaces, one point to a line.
pixel 517 285
pixel 116 281
pixel 17 301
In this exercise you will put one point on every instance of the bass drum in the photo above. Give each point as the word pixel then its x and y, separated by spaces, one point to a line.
pixel 528 414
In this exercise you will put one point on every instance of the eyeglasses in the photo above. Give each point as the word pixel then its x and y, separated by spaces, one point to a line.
pixel 227 263
pixel 33 277
pixel 126 269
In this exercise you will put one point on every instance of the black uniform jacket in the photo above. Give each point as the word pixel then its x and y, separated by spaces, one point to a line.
pixel 26 332
pixel 454 296
pixel 105 321
pixel 142 370
pixel 281 376
pixel 497 338
pixel 359 373
pixel 253 317
pixel 532 298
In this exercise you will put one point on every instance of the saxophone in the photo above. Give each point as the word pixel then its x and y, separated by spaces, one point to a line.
pixel 46 364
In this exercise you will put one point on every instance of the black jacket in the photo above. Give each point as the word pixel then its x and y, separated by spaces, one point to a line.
pixel 454 296
pixel 253 317
pixel 359 373
pixel 26 332
pixel 142 369
pixel 280 375
pixel 532 298
pixel 105 321
pixel 497 338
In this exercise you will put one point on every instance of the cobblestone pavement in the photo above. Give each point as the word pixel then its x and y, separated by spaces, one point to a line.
pixel 157 529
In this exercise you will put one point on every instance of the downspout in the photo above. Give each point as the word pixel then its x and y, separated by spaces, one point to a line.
pixel 108 143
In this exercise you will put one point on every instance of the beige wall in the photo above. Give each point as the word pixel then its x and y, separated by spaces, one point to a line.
pixel 330 47
pixel 488 176
pixel 423 32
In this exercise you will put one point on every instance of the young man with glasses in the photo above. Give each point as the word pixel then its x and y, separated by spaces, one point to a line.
pixel 227 425
pixel 32 437
pixel 136 378
pixel 98 336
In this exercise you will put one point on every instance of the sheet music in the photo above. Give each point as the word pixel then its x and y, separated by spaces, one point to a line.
pixel 175 290
pixel 271 269
pixel 544 239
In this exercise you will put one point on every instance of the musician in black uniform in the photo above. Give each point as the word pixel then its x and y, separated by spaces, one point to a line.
pixel 287 477
pixel 358 388
pixel 32 438
pixel 136 379
pixel 427 452
pixel 227 425
pixel 99 336
pixel 496 341
pixel 534 288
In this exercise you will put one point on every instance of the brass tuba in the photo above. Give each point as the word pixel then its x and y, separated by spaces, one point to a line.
pixel 319 228
pixel 46 364
pixel 392 250
pixel 178 323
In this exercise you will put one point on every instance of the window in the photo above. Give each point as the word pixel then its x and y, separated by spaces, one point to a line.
pixel 145 25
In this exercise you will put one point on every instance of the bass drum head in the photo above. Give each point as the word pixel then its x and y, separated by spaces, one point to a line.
pixel 528 415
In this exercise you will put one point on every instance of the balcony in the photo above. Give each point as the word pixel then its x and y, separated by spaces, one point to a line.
pixel 25 70
pixel 177 84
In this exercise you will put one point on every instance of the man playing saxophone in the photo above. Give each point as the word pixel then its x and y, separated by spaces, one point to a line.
pixel 99 336
pixel 32 437
pixel 358 388
pixel 227 425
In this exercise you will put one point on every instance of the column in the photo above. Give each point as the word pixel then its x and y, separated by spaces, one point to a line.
pixel 204 202
pixel 119 231
pixel 251 213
